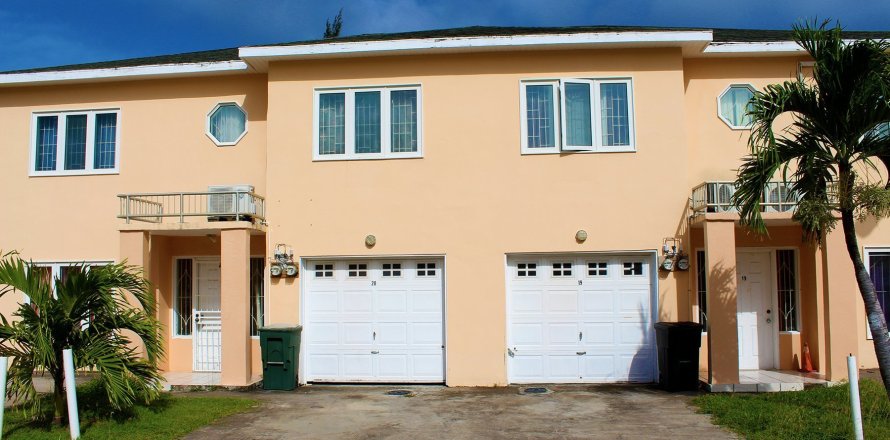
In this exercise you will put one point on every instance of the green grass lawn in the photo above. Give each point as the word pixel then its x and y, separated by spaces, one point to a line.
pixel 170 417
pixel 816 413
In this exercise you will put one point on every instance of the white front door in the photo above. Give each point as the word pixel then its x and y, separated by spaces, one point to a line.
pixel 374 321
pixel 207 340
pixel 756 323
pixel 580 318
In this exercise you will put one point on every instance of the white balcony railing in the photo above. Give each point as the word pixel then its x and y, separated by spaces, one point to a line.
pixel 717 197
pixel 232 205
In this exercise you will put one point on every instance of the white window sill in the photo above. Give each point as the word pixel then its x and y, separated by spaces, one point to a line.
pixel 257 337
pixel 103 172
pixel 790 332
pixel 360 157
pixel 534 151
pixel 182 336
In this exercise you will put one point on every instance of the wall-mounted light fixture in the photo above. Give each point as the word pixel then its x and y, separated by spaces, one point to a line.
pixel 283 261
pixel 581 236
pixel 370 240
pixel 674 258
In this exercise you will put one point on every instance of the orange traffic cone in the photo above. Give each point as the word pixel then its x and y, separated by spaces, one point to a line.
pixel 807 366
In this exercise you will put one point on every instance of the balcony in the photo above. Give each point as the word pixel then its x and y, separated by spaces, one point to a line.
pixel 229 204
pixel 713 197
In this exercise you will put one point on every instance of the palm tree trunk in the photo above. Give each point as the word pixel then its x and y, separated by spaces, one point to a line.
pixel 875 315
pixel 59 399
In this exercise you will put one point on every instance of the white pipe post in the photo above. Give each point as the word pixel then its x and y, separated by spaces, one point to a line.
pixel 4 362
pixel 855 407
pixel 71 390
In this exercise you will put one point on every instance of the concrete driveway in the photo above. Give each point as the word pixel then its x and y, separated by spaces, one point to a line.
pixel 567 412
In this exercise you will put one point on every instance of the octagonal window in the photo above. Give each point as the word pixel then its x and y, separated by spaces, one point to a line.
pixel 734 106
pixel 226 124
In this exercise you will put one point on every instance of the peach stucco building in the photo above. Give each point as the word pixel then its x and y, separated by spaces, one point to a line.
pixel 476 206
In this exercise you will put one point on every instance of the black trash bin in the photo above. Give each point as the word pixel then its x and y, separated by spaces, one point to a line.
pixel 280 347
pixel 678 346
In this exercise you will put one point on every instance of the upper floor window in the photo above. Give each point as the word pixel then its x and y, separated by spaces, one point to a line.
pixel 76 142
pixel 368 123
pixel 733 106
pixel 577 115
pixel 226 124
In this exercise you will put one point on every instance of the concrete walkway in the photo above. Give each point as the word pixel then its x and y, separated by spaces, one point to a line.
pixel 568 412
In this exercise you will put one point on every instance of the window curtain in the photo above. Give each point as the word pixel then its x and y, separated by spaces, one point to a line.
pixel 614 114
pixel 76 142
pixel 227 123
pixel 579 131
pixel 539 116
pixel 734 106
pixel 367 122
pixel 106 140
pixel 47 136
pixel 332 123
pixel 403 120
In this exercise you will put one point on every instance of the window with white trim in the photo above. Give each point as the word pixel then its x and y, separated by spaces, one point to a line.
pixel 357 270
pixel 392 269
pixel 633 268
pixel 562 269
pixel 733 106
pixel 878 261
pixel 526 270
pixel 426 269
pixel 593 115
pixel 324 270
pixel 598 269
pixel 226 124
pixel 368 123
pixel 75 142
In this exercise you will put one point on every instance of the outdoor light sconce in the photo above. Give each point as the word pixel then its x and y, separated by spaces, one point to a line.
pixel 283 262
pixel 581 236
pixel 674 258
pixel 370 241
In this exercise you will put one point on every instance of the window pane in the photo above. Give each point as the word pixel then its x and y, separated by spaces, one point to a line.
pixel 332 123
pixel 614 114
pixel 578 126
pixel 47 134
pixel 539 116
pixel 257 295
pixel 701 285
pixel 367 122
pixel 879 268
pixel 106 140
pixel 787 290
pixel 228 123
pixel 183 306
pixel 403 120
pixel 734 105
pixel 75 142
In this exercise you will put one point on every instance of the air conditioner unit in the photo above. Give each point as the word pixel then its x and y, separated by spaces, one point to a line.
pixel 231 204
pixel 778 193
pixel 722 197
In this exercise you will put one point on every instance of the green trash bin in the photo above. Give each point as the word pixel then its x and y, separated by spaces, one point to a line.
pixel 280 346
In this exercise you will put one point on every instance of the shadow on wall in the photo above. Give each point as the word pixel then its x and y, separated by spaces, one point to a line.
pixel 722 291
pixel 642 366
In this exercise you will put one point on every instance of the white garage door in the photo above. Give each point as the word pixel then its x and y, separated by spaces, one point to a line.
pixel 580 318
pixel 374 321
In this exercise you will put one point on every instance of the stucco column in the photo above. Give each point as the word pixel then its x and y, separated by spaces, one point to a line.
pixel 135 248
pixel 235 306
pixel 723 338
pixel 840 291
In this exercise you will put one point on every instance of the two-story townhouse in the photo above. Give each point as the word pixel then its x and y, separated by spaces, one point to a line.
pixel 476 206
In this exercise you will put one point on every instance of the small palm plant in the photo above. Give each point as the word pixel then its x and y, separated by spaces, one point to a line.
pixel 88 311
pixel 830 152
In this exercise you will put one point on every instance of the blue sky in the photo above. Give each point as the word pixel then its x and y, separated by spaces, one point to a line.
pixel 38 33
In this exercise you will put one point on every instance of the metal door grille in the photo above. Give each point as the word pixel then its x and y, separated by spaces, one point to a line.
pixel 207 341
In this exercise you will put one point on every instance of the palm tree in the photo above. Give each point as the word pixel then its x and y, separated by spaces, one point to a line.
pixel 829 153
pixel 87 311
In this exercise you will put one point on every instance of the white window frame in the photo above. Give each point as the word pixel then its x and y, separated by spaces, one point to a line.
pixel 559 113
pixel 56 269
pixel 210 134
pixel 867 251
pixel 89 168
pixel 385 123
pixel 726 121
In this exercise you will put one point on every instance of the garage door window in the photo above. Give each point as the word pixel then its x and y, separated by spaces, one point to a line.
pixel 426 269
pixel 598 269
pixel 392 269
pixel 633 269
pixel 527 269
pixel 324 270
pixel 562 269
pixel 358 270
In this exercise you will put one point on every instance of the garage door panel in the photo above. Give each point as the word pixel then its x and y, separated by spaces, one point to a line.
pixel 597 301
pixel 383 324
pixel 562 334
pixel 606 299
